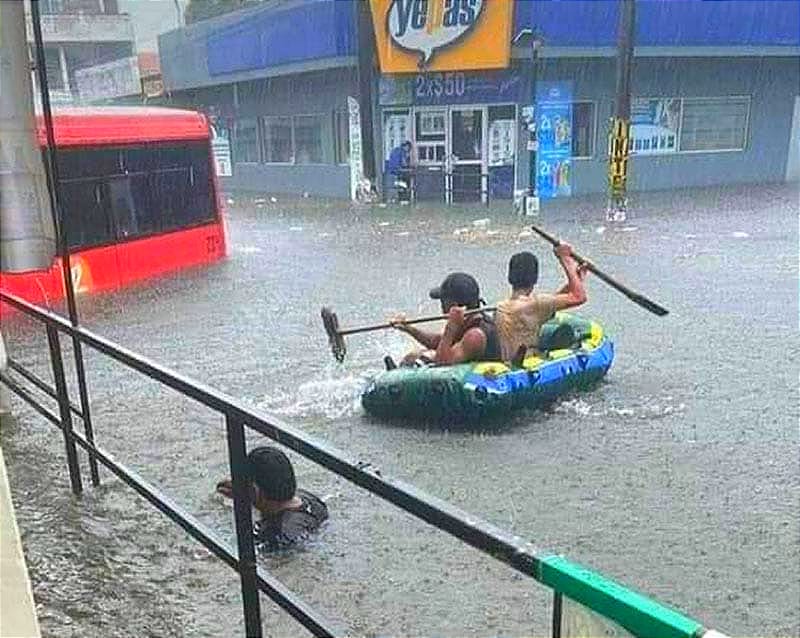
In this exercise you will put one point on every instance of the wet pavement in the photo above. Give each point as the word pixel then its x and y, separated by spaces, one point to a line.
pixel 678 476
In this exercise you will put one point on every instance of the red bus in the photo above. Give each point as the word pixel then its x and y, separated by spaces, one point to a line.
pixel 139 195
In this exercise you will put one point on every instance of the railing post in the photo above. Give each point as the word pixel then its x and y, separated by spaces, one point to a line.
pixel 88 429
pixel 237 455
pixel 63 408
pixel 557 611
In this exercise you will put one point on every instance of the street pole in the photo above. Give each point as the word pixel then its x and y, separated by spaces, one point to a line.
pixel 533 187
pixel 619 136
pixel 366 82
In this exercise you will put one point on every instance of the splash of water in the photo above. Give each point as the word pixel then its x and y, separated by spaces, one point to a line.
pixel 330 398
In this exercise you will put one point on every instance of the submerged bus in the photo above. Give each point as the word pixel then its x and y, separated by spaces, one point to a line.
pixel 139 196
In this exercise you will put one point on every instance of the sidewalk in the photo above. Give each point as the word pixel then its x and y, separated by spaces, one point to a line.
pixel 17 610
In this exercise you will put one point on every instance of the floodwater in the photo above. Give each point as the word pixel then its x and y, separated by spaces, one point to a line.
pixel 678 476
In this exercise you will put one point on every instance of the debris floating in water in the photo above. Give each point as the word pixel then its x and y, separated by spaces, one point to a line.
pixel 600 230
pixel 481 223
pixel 525 233
pixel 230 201
pixel 273 199
pixel 628 229
pixel 403 233
pixel 384 223
pixel 740 234
pixel 460 231
pixel 296 229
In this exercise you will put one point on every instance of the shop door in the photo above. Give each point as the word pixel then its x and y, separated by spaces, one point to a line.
pixel 467 155
pixel 430 145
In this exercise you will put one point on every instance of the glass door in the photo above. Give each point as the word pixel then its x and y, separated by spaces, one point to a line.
pixel 467 156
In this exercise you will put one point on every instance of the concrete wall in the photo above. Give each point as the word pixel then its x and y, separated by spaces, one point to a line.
pixel 772 83
pixel 317 93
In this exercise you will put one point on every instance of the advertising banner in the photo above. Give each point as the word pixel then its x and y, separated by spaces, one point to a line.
pixel 654 125
pixel 554 159
pixel 442 35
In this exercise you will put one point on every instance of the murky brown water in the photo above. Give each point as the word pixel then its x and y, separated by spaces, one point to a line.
pixel 678 476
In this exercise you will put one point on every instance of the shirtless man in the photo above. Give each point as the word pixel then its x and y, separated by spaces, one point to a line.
pixel 520 317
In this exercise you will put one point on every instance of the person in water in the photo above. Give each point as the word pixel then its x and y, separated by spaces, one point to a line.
pixel 288 514
pixel 520 317
pixel 464 338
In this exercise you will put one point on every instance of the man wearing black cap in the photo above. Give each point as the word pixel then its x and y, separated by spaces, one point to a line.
pixel 520 317
pixel 465 338
pixel 288 514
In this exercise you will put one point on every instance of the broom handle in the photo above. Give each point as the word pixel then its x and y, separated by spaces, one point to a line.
pixel 409 322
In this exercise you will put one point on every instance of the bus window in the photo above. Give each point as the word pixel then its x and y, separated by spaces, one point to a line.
pixel 86 218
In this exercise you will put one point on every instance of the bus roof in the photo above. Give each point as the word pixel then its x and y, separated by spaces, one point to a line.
pixel 96 126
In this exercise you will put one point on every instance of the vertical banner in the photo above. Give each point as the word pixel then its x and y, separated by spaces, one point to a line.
pixel 356 165
pixel 554 160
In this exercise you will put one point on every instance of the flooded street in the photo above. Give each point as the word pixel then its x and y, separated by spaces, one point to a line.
pixel 678 476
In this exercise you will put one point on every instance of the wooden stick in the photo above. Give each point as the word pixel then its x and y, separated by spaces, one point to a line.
pixel 634 296
pixel 387 325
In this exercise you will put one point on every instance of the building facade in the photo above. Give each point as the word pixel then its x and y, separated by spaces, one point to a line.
pixel 81 35
pixel 715 97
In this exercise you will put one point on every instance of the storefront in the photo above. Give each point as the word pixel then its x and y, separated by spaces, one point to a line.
pixel 463 127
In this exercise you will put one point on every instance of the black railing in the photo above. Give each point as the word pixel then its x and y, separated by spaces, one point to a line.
pixel 479 534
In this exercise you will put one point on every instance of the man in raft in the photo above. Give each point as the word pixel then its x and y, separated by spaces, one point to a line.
pixel 465 338
pixel 520 317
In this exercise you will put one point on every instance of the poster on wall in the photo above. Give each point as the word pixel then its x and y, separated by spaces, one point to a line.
pixel 396 130
pixel 442 35
pixel 221 148
pixel 554 159
pixel 654 125
pixel 356 165
pixel 501 142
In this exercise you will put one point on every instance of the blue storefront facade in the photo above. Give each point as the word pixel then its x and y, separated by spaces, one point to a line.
pixel 715 88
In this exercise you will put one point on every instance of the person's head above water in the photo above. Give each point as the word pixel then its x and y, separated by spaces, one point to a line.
pixel 523 270
pixel 272 473
pixel 458 289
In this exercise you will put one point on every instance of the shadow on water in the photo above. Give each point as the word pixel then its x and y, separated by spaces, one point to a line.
pixel 678 475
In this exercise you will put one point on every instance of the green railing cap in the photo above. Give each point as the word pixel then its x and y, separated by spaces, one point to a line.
pixel 638 614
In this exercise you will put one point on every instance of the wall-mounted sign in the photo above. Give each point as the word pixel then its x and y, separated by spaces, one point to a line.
pixel 654 125
pixel 442 35
pixel 553 162
pixel 456 87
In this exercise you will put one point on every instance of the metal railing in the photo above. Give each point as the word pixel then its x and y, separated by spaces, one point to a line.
pixel 636 614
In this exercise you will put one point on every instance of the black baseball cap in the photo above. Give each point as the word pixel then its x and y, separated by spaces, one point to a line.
pixel 459 288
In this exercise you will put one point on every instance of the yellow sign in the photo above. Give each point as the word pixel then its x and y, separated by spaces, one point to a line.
pixel 442 35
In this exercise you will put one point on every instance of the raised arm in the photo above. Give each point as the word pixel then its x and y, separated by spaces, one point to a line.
pixel 572 293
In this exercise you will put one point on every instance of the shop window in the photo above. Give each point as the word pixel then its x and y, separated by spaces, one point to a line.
pixel 278 139
pixel 308 139
pixel 396 130
pixel 714 124
pixel 654 125
pixel 502 135
pixel 245 141
pixel 341 138
pixel 583 129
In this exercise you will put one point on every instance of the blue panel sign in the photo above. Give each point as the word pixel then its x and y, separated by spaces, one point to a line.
pixel 457 87
pixel 554 120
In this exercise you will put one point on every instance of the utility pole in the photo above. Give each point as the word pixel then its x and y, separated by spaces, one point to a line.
pixel 531 203
pixel 619 136
pixel 366 84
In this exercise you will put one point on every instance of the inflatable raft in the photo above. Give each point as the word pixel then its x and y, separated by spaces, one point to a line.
pixel 487 390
